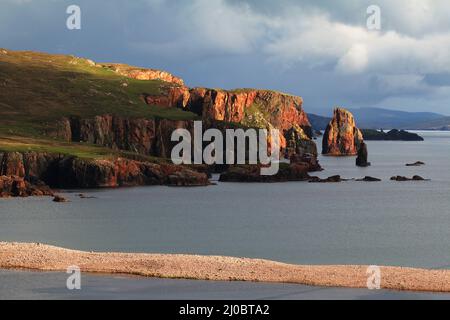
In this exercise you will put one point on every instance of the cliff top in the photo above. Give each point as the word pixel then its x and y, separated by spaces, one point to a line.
pixel 80 150
pixel 248 90
pixel 342 111
pixel 37 89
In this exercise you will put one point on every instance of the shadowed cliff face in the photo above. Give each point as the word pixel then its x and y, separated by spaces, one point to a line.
pixel 71 172
pixel 143 136
pixel 153 136
pixel 342 137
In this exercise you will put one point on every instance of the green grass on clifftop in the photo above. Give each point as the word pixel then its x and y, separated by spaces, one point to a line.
pixel 80 150
pixel 37 89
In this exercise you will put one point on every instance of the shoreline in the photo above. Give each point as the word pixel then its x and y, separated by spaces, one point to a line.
pixel 41 257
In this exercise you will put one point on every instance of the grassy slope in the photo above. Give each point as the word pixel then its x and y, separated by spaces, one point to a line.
pixel 37 89
pixel 81 150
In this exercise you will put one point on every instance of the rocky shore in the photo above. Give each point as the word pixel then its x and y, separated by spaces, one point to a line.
pixel 14 186
pixel 27 256
pixel 30 173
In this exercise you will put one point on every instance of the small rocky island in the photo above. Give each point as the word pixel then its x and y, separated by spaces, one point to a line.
pixel 342 137
pixel 393 135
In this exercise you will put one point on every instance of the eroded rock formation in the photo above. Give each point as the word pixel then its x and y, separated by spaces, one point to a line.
pixel 342 137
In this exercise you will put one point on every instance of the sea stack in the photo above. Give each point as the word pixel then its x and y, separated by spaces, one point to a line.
pixel 342 137
pixel 361 160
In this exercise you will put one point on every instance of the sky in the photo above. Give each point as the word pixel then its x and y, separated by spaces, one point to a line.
pixel 319 49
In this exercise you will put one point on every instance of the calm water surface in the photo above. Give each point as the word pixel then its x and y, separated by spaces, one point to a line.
pixel 385 223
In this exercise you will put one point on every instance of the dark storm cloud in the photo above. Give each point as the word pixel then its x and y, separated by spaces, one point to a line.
pixel 318 49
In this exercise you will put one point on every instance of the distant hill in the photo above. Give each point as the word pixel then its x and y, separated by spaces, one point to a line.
pixel 378 118
pixel 318 122
pixel 437 124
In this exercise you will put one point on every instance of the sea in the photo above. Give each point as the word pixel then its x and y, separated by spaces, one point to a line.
pixel 371 223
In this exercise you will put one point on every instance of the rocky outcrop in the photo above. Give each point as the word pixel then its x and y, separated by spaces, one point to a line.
pixel 11 164
pixel 249 107
pixel 342 137
pixel 14 186
pixel 78 173
pixel 298 143
pixel 59 199
pixel 393 135
pixel 414 178
pixel 332 179
pixel 71 172
pixel 142 73
pixel 306 159
pixel 252 173
pixel 361 160
pixel 169 97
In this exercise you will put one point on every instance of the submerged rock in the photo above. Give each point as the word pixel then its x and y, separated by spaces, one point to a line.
pixel 59 199
pixel 402 178
pixel 415 164
pixel 331 179
pixel 83 196
pixel 342 137
pixel 369 179
pixel 252 173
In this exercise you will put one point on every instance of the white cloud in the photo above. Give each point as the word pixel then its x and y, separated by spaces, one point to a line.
pixel 325 42
pixel 414 38
pixel 355 49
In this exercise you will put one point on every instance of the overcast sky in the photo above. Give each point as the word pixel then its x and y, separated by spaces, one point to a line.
pixel 321 50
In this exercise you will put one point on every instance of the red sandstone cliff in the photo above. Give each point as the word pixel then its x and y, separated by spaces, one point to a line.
pixel 142 73
pixel 282 111
pixel 247 107
pixel 342 137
